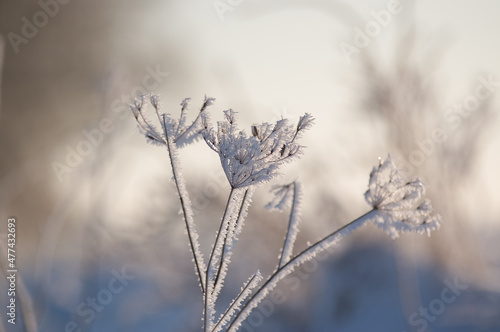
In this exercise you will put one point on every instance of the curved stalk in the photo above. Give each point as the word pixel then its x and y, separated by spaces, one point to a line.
pixel 307 254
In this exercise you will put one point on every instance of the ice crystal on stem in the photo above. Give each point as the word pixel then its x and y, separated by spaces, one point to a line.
pixel 399 202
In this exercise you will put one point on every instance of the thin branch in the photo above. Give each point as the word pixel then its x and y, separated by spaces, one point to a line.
pixel 221 235
pixel 185 203
pixel 223 225
pixel 183 110
pixel 244 293
pixel 151 128
pixel 221 263
pixel 247 199
pixel 206 103
pixel 189 128
pixel 289 267
pixel 231 235
pixel 291 233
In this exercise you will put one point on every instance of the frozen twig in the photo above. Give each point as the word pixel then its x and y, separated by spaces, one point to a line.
pixel 186 208
pixel 246 290
pixel 289 267
pixel 216 256
pixel 185 136
pixel 234 229
pixel 288 196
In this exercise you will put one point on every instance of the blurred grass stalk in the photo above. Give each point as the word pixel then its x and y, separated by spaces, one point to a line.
pixel 2 53
pixel 23 295
pixel 2 49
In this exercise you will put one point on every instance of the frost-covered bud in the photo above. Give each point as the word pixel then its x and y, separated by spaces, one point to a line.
pixel 255 131
pixel 305 122
pixel 185 104
pixel 230 117
pixel 399 202
pixel 135 111
pixel 155 101
pixel 139 102
pixel 207 101
pixel 138 108
pixel 137 105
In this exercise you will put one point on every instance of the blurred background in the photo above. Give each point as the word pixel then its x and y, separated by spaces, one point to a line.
pixel 92 200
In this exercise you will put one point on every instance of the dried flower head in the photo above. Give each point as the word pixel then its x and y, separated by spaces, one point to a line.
pixel 399 202
pixel 177 130
pixel 255 159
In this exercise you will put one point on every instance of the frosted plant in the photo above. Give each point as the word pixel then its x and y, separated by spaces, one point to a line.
pixel 175 133
pixel 399 202
pixel 253 160
pixel 248 161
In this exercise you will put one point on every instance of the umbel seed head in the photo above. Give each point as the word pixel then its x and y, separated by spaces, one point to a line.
pixel 255 159
pixel 399 202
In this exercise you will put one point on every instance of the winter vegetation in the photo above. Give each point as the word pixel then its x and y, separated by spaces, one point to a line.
pixel 223 223
pixel 249 160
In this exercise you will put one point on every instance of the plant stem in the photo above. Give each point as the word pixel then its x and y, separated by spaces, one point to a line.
pixel 289 267
pixel 191 232
pixel 211 264
pixel 245 291
pixel 191 126
pixel 231 234
pixel 291 233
